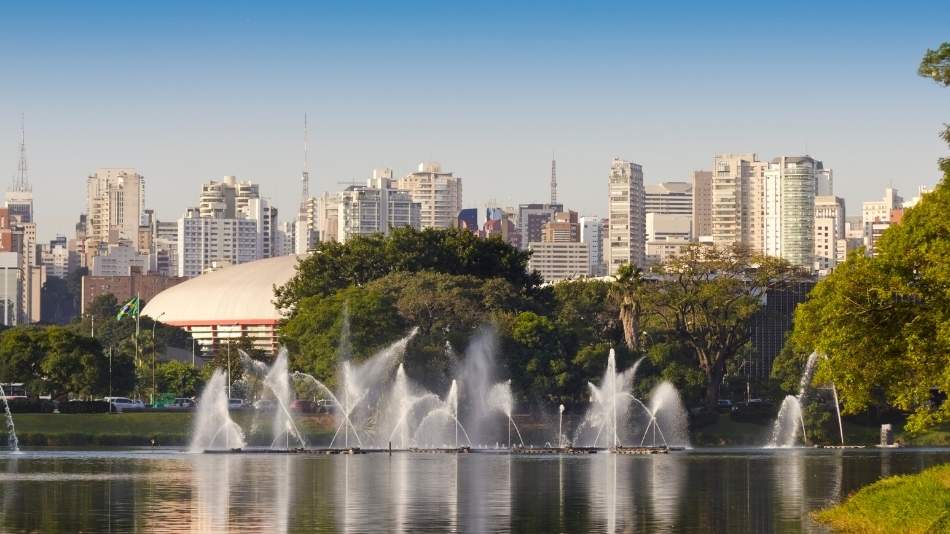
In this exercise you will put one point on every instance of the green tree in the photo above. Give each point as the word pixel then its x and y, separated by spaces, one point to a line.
pixel 627 291
pixel 334 266
pixel 705 298
pixel 883 322
pixel 73 364
pixel 179 378
pixel 22 349
pixel 533 357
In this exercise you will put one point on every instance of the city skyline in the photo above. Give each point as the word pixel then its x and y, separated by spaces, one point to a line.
pixel 175 102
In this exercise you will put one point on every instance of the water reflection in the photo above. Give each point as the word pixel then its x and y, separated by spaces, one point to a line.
pixel 723 491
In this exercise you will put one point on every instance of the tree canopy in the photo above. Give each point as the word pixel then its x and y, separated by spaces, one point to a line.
pixel 334 266
pixel 884 321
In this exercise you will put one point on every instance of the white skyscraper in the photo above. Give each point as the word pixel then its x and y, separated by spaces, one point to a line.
pixel 626 197
pixel 592 234
pixel 232 225
pixel 115 204
pixel 438 193
pixel 375 208
pixel 738 182
pixel 831 244
pixel 790 209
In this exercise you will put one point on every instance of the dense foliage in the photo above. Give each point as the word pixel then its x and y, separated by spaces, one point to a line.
pixel 884 321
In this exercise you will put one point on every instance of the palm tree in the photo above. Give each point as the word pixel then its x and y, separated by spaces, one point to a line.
pixel 626 292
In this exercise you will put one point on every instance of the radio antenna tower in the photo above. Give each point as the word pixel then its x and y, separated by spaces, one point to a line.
pixel 305 175
pixel 553 179
pixel 22 181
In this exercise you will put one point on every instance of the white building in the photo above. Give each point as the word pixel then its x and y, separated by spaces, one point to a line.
pixel 738 182
pixel 664 250
pixel 627 216
pixel 665 227
pixel 375 208
pixel 115 204
pixel 593 235
pixel 674 198
pixel 790 209
pixel 121 259
pixel 876 216
pixel 438 193
pixel 10 281
pixel 559 260
pixel 831 244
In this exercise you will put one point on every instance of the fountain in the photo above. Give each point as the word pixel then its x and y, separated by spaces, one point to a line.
pixel 500 398
pixel 560 419
pixel 12 441
pixel 667 412
pixel 213 428
pixel 610 404
pixel 277 380
pixel 789 419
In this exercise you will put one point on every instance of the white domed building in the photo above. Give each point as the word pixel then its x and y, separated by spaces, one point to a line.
pixel 229 303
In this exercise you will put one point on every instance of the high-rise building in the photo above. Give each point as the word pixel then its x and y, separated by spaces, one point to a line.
pixel 231 225
pixel 375 208
pixel 438 193
pixel 831 246
pixel 562 228
pixel 532 218
pixel 327 217
pixel 559 260
pixel 115 203
pixel 738 182
pixel 669 198
pixel 790 209
pixel 10 280
pixel 627 215
pixel 876 216
pixel 592 234
pixel 57 258
pixel 468 219
pixel 500 223
pixel 702 204
pixel 824 183
pixel 667 234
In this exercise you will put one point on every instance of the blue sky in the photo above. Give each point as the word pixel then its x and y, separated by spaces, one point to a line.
pixel 187 93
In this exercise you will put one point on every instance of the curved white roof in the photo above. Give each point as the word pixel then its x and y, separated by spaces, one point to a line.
pixel 242 292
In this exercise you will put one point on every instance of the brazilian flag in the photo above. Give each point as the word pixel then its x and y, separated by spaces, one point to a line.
pixel 131 309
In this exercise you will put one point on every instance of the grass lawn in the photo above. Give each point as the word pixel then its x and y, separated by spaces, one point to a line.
pixel 906 503
pixel 166 428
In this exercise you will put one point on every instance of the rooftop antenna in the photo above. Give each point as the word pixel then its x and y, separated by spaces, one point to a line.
pixel 305 175
pixel 553 179
pixel 22 181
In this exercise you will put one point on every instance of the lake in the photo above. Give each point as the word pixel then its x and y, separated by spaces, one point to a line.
pixel 700 490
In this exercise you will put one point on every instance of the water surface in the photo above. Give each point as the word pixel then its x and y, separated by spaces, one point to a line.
pixel 708 490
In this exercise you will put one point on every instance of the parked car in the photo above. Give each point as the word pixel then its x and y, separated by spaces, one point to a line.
pixel 236 404
pixel 304 406
pixel 264 405
pixel 724 405
pixel 124 404
pixel 182 403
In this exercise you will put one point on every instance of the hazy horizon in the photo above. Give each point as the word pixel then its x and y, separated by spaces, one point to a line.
pixel 187 93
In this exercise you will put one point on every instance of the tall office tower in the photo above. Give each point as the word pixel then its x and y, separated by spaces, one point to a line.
pixel 627 215
pixel 738 183
pixel 669 198
pixel 562 228
pixel 375 208
pixel 500 223
pixel 165 246
pixel 226 198
pixel 468 220
pixel 702 204
pixel 231 225
pixel 790 209
pixel 326 217
pixel 18 203
pixel 592 233
pixel 531 221
pixel 438 193
pixel 876 216
pixel 830 240
pixel 824 183
pixel 115 202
